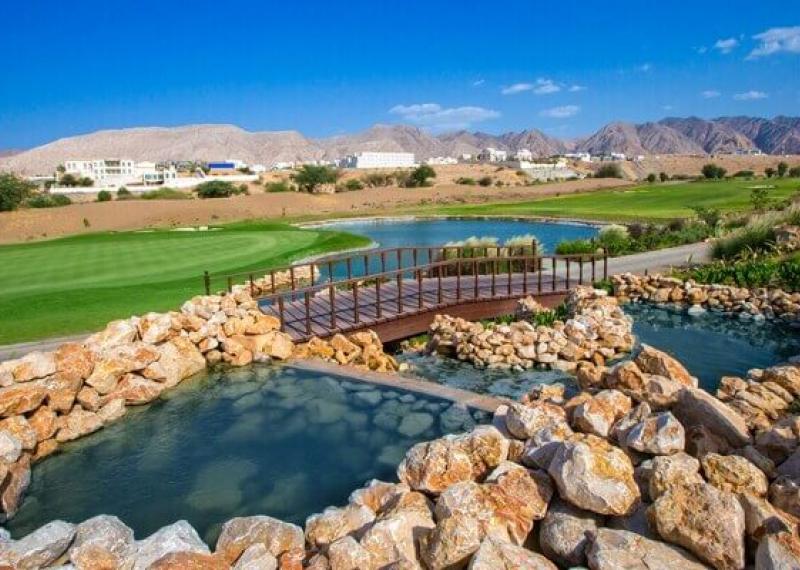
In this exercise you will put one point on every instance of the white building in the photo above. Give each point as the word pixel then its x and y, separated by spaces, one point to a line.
pixel 149 173
pixel 465 157
pixel 378 160
pixel 119 172
pixel 523 154
pixel 282 165
pixel 547 170
pixel 493 155
pixel 581 156
pixel 440 160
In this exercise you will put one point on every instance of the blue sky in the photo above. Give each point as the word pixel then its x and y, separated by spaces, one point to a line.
pixel 325 68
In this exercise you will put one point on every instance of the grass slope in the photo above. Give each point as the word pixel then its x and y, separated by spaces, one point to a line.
pixel 648 202
pixel 77 284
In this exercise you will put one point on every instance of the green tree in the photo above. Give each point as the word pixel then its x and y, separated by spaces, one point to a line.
pixel 68 180
pixel 310 177
pixel 759 198
pixel 609 171
pixel 769 171
pixel 104 196
pixel 215 189
pixel 419 176
pixel 663 176
pixel 13 191
pixel 712 171
pixel 782 168
pixel 794 172
pixel 485 181
pixel 709 216
pixel 651 178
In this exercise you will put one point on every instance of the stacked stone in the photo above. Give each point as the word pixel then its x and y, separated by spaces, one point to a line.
pixel 300 276
pixel 362 349
pixel 760 303
pixel 597 331
pixel 639 470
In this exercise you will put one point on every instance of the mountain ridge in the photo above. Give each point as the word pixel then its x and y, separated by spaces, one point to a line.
pixel 671 135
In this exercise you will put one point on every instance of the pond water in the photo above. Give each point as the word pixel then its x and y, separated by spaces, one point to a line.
pixel 710 346
pixel 406 232
pixel 258 440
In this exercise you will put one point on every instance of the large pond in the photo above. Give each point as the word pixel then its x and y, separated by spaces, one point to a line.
pixel 709 345
pixel 261 440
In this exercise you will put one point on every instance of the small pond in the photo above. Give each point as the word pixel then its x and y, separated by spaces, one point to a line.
pixel 709 345
pixel 258 440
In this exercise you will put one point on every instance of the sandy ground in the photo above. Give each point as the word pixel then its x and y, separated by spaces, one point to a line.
pixel 27 225
pixel 692 165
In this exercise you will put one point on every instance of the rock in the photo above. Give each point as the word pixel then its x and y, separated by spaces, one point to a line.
pixel 595 476
pixel 668 471
pixel 32 366
pixel 278 345
pixel 540 449
pixel 781 440
pixel 189 561
pixel 10 447
pixel 518 496
pixel 62 389
pixel 43 422
pixel 14 485
pixel 334 523
pixel 784 493
pixel 682 514
pixel 661 434
pixel 435 465
pixel 89 399
pixel 698 408
pixel 40 548
pixel 179 360
pixel 653 361
pixel 240 533
pixel 118 361
pixel 74 360
pixel 761 518
pixel 523 421
pixel 347 554
pixel 154 327
pixel 623 550
pixel 589 375
pixel 377 495
pixel 256 557
pixel 394 539
pixel 564 533
pixel 77 424
pixel 21 398
pixel 415 423
pixel 787 377
pixel 498 555
pixel 43 449
pixel 177 537
pixel 455 539
pixel 112 411
pixel 102 542
pixel 734 474
pixel 597 414
pixel 135 390
pixel 115 333
pixel 636 522
pixel 778 552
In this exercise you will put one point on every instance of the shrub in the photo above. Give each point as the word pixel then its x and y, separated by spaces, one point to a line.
pixel 13 192
pixel 576 247
pixel 377 179
pixel 165 194
pixel 663 176
pixel 244 189
pixel 279 186
pixel 124 194
pixel 759 198
pixel 485 181
pixel 782 168
pixel 311 177
pixel 419 177
pixel 651 178
pixel 466 181
pixel 794 172
pixel 750 273
pixel 104 196
pixel 614 238
pixel 524 240
pixel 351 185
pixel 48 201
pixel 744 174
pixel 755 237
pixel 709 216
pixel 216 189
pixel 769 172
pixel 713 172
pixel 609 171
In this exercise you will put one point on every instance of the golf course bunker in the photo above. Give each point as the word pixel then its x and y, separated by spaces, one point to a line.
pixel 263 439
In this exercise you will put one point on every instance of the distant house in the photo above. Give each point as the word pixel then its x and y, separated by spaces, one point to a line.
pixel 440 160
pixel 523 154
pixel 491 154
pixel 581 156
pixel 120 172
pixel 378 160
pixel 229 166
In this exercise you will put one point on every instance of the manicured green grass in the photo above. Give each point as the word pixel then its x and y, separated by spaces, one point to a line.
pixel 77 284
pixel 648 202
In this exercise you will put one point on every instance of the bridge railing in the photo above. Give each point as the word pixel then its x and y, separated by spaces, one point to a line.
pixel 341 304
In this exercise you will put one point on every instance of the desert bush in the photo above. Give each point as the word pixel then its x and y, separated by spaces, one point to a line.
pixel 709 216
pixel 651 178
pixel 216 189
pixel 794 172
pixel 378 179
pixel 758 272
pixel 713 171
pixel 350 185
pixel 466 181
pixel 756 236
pixel 576 247
pixel 48 201
pixel 165 194
pixel 744 174
pixel 418 177
pixel 279 186
pixel 614 238
pixel 609 171
pixel 13 192
pixel 124 194
pixel 311 177
pixel 485 181
pixel 104 196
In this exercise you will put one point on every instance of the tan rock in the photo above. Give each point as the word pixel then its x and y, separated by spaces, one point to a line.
pixel 115 333
pixel 279 345
pixel 21 398
pixel 595 476
pixel 668 471
pixel 34 365
pixel 135 390
pixel 44 449
pixel 660 434
pixel 518 497
pixel 347 554
pixel 498 555
pixel 695 407
pixel 40 549
pixel 14 485
pixel 74 360
pixel 682 514
pixel 10 450
pixel 78 423
pixel 119 360
pixel 189 561
pixel 240 533
pixel 89 399
pixel 179 360
pixel 257 557
pixel 334 523
pixel 589 375
pixel 395 538
pixel 263 324
pixel 623 550
pixel 178 537
pixel 788 377
pixel 43 422
pixel 653 361
pixel 102 543
pixel 377 495
pixel 734 474
pixel 19 427
pixel 778 552
pixel 154 327
pixel 112 411
pixel 597 414
pixel 564 533
pixel 523 421
pixel 784 493
pixel 62 389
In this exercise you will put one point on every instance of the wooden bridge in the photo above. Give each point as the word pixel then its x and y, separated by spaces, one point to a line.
pixel 397 291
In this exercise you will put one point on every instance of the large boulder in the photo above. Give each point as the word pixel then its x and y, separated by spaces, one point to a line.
pixel 623 550
pixel 564 533
pixel 39 549
pixel 324 528
pixel 498 555
pixel 598 414
pixel 177 537
pixel 179 359
pixel 395 538
pixel 696 407
pixel 78 423
pixel 135 390
pixel 779 551
pixel 523 421
pixel 347 554
pixel 377 495
pixel 14 485
pixel 154 327
pixel 43 422
pixel 189 560
pixel 666 471
pixel 734 474
pixel 595 476
pixel 102 542
pixel 784 493
pixel 115 333
pixel 518 496
pixel 682 516
pixel 256 557
pixel 21 398
pixel 116 361
pixel 240 533
pixel 653 361
pixel 10 447
pixel 660 434
pixel 34 365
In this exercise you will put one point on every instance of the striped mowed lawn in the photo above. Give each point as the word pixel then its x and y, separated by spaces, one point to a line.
pixel 77 284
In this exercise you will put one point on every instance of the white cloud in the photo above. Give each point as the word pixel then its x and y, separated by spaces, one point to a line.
pixel 777 40
pixel 434 116
pixel 645 67
pixel 710 94
pixel 478 82
pixel 726 45
pixel 576 88
pixel 540 87
pixel 750 96
pixel 561 112
pixel 701 49
pixel 667 107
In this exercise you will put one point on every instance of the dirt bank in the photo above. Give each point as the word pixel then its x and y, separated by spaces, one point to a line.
pixel 26 225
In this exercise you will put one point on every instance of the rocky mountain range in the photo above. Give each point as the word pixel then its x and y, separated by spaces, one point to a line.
pixel 692 135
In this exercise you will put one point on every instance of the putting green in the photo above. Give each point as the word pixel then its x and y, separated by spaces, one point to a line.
pixel 79 283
